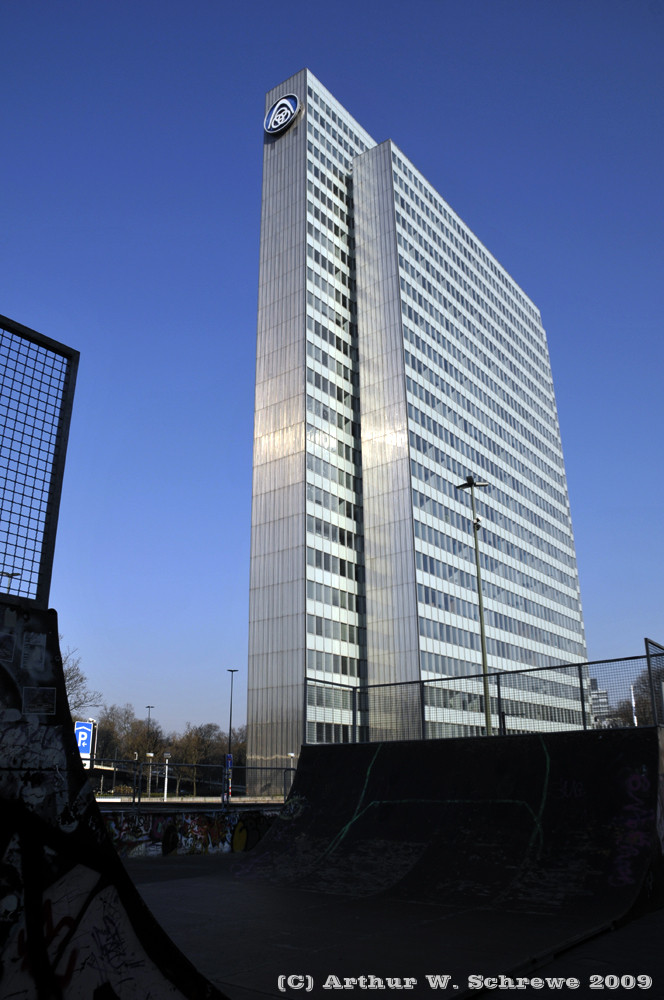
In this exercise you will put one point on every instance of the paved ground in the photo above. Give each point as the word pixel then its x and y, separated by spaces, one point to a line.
pixel 243 934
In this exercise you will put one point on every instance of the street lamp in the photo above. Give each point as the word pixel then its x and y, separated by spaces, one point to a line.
pixel 230 721
pixel 470 484
pixel 229 759
pixel 149 708
pixel 11 575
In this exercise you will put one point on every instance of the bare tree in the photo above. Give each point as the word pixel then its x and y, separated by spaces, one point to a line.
pixel 79 695
pixel 116 724
pixel 239 746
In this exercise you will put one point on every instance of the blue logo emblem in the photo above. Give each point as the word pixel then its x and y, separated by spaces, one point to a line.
pixel 282 114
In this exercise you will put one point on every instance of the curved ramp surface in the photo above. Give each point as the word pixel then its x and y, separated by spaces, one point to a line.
pixel 540 824
pixel 72 924
pixel 413 862
pixel 457 857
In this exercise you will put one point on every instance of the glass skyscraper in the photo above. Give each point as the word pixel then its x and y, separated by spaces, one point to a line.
pixel 395 357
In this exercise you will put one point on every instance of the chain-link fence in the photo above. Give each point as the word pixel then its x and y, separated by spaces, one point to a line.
pixel 600 695
pixel 606 694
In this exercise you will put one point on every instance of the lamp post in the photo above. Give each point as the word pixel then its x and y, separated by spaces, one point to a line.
pixel 229 759
pixel 167 757
pixel 149 708
pixel 470 484
pixel 230 721
pixel 149 757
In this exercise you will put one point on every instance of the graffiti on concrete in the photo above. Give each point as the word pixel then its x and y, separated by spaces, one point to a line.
pixel 633 829
pixel 214 832
pixel 71 922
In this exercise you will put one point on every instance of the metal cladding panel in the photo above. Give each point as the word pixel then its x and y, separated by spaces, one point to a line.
pixel 277 574
pixel 391 597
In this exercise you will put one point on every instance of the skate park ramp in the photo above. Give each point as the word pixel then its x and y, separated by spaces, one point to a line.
pixel 405 861
pixel 537 823
pixel 457 856
pixel 401 860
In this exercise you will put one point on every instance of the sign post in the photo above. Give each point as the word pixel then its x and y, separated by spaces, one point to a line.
pixel 228 777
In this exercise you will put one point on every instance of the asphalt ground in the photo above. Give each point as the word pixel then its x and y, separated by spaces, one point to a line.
pixel 254 940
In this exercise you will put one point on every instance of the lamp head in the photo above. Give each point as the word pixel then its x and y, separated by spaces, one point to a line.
pixel 470 482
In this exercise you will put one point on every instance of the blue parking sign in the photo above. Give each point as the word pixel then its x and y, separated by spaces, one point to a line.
pixel 83 731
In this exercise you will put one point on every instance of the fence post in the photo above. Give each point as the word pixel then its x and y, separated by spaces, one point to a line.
pixel 423 718
pixel 288 771
pixel 306 709
pixel 499 706
pixel 651 682
pixel 583 701
pixel 354 707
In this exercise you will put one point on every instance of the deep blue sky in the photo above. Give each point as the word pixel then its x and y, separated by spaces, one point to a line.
pixel 129 229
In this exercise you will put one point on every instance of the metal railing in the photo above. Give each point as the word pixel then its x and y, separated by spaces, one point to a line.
pixel 142 782
pixel 602 694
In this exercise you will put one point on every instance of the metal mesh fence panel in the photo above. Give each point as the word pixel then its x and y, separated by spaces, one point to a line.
pixel 36 391
pixel 655 657
pixel 600 695
pixel 395 712
pixel 621 694
pixel 333 712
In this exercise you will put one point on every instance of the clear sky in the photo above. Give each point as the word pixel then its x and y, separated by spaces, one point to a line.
pixel 130 202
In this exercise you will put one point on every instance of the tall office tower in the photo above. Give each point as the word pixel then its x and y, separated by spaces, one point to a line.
pixel 395 358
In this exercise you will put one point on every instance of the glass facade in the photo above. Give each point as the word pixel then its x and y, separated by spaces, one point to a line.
pixel 394 358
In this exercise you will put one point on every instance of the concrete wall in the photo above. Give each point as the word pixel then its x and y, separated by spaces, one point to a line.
pixel 214 832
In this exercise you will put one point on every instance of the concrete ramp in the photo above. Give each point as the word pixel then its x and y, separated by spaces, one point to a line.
pixel 72 924
pixel 542 824
pixel 459 857
pixel 431 867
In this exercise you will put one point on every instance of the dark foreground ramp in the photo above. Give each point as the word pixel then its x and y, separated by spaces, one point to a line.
pixel 72 924
pixel 424 865
pixel 452 857
pixel 557 823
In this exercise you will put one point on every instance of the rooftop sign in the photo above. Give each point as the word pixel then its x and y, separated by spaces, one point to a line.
pixel 282 114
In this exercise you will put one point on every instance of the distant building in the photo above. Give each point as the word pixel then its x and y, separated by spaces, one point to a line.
pixel 395 357
pixel 600 710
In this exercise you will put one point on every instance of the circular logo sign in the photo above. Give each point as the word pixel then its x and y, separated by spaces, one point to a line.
pixel 282 114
